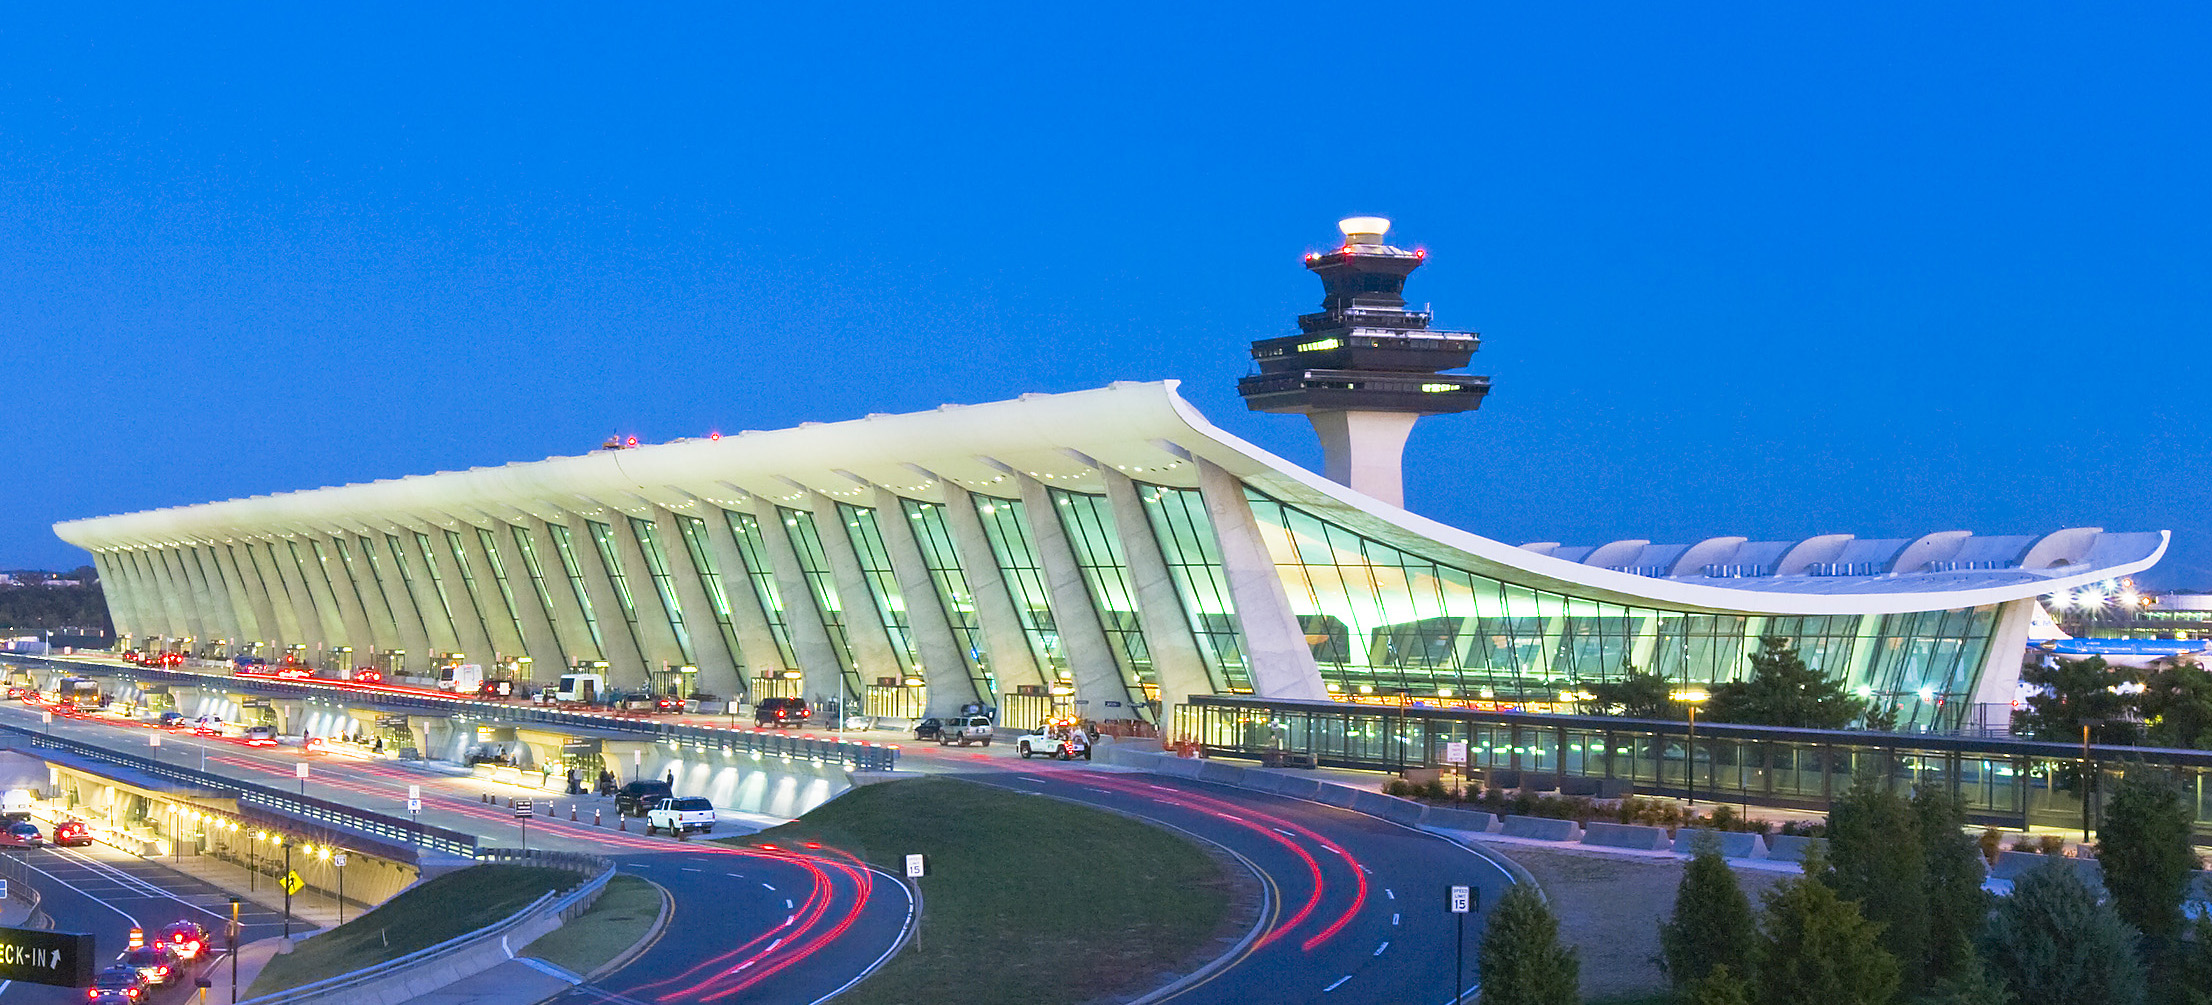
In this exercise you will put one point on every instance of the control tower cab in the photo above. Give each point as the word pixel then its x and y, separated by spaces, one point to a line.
pixel 1364 367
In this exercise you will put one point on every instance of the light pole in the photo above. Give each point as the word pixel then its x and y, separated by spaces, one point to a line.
pixel 1691 697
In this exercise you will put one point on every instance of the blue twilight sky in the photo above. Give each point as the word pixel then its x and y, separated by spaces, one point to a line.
pixel 1757 269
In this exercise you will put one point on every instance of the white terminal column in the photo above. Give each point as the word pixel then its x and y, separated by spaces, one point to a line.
pixel 864 628
pixel 819 658
pixel 625 662
pixel 239 570
pixel 720 670
pixel 944 668
pixel 1275 647
pixel 1013 661
pixel 1090 653
pixel 758 653
pixel 567 616
pixel 1176 662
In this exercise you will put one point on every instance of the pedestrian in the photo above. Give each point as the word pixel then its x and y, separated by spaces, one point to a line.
pixel 575 783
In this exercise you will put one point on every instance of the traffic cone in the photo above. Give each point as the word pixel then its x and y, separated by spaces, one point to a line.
pixel 621 823
pixel 595 818
pixel 572 811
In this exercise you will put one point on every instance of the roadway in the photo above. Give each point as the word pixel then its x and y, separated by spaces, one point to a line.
pixel 789 925
pixel 107 893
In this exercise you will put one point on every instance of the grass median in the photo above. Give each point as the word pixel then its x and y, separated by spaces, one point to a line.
pixel 621 916
pixel 1027 899
pixel 453 904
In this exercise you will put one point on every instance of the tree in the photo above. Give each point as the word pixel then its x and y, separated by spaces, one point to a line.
pixel 1958 907
pixel 2176 705
pixel 1817 947
pixel 1876 858
pixel 1637 694
pixel 2189 967
pixel 2069 693
pixel 1783 691
pixel 2144 847
pixel 1522 961
pixel 1712 927
pixel 2054 944
pixel 1971 985
pixel 1721 987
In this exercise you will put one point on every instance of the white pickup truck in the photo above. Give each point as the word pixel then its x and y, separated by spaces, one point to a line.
pixel 680 814
pixel 1062 739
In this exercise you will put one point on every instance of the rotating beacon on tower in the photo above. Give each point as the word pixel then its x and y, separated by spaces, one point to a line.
pixel 1364 367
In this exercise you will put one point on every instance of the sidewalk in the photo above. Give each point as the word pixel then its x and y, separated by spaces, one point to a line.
pixel 519 981
pixel 317 909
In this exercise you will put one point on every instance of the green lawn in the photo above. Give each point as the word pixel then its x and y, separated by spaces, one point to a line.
pixel 1027 899
pixel 622 916
pixel 453 904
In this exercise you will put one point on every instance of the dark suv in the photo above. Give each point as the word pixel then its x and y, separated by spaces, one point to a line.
pixel 633 799
pixel 781 712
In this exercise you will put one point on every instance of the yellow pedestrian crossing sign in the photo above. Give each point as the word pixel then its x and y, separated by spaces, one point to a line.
pixel 292 883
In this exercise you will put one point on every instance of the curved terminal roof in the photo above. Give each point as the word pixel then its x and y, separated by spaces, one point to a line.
pixel 1148 432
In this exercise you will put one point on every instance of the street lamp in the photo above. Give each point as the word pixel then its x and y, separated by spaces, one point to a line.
pixel 1692 697
pixel 2088 771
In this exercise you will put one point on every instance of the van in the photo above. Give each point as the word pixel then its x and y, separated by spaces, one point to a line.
pixel 583 687
pixel 15 805
pixel 781 712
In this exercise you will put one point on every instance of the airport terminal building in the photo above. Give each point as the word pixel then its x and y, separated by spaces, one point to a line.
pixel 1107 552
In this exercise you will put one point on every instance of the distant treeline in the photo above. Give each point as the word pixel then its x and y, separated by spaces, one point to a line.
pixel 76 609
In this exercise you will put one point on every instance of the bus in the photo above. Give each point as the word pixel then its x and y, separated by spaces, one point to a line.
pixel 82 693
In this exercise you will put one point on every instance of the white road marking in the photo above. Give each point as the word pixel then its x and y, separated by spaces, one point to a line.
pixel 1339 983
pixel 1284 833
pixel 768 885
pixel 1393 919
pixel 1379 949
pixel 1393 894
pixel 787 904
pixel 734 875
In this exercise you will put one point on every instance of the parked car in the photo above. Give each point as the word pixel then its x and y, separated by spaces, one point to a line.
pixel 185 938
pixel 964 730
pixel 19 692
pixel 22 835
pixel 367 675
pixel 99 997
pixel 634 798
pixel 117 980
pixel 72 834
pixel 927 729
pixel 154 961
pixel 678 815
pixel 173 720
pixel 781 712
pixel 208 725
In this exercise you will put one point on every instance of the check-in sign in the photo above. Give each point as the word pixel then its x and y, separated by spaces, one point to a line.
pixel 62 959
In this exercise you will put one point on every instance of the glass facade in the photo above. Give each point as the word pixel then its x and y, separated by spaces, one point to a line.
pixel 806 542
pixel 1007 528
pixel 754 552
pixel 490 543
pixel 1090 530
pixel 376 570
pixel 694 531
pixel 535 570
pixel 1186 535
pixel 933 536
pixel 460 552
pixel 656 565
pixel 437 581
pixel 602 536
pixel 1383 621
pixel 883 584
pixel 565 544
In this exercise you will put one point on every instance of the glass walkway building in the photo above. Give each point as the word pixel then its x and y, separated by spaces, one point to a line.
pixel 1107 552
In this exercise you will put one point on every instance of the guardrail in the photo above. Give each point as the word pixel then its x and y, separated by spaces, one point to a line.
pixel 19 871
pixel 426 970
pixel 398 830
pixel 856 756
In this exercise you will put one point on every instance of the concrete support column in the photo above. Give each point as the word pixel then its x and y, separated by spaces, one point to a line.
pixel 568 615
pixel 625 663
pixel 175 598
pixel 1013 662
pixel 199 608
pixel 944 666
pixel 213 610
pixel 656 635
pixel 818 654
pixel 1274 643
pixel 298 554
pixel 756 638
pixel 244 577
pixel 408 619
pixel 503 617
pixel 438 618
pixel 330 579
pixel 384 633
pixel 1180 669
pixel 1090 653
pixel 873 656
pixel 721 671
pixel 1999 676
pixel 240 620
pixel 146 592
pixel 472 623
pixel 117 591
pixel 308 624
pixel 1366 451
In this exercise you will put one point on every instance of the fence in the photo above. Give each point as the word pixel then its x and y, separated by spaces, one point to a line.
pixel 397 830
pixel 861 756
pixel 426 970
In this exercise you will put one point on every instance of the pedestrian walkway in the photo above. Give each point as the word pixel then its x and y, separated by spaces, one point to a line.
pixel 317 909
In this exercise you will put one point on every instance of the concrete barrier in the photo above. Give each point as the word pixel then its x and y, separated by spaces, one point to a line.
pixel 1542 829
pixel 426 970
pixel 1298 788
pixel 1180 767
pixel 1733 844
pixel 1337 795
pixel 1793 847
pixel 1454 818
pixel 1392 808
pixel 1220 773
pixel 1636 836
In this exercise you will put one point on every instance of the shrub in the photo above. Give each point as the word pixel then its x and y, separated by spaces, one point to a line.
pixel 1991 840
pixel 2144 846
pixel 1711 930
pixel 2055 944
pixel 1522 960
pixel 1817 947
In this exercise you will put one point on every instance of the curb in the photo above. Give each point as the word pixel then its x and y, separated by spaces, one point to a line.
pixel 645 942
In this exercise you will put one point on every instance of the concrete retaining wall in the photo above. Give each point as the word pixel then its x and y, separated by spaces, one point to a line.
pixel 426 970
pixel 1636 836
pixel 2012 865
pixel 1475 821
pixel 1733 844
pixel 1542 829
pixel 1792 848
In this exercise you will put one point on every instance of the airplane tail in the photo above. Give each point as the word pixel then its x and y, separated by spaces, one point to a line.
pixel 2041 628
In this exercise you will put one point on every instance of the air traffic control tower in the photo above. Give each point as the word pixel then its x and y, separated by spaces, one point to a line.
pixel 1364 366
